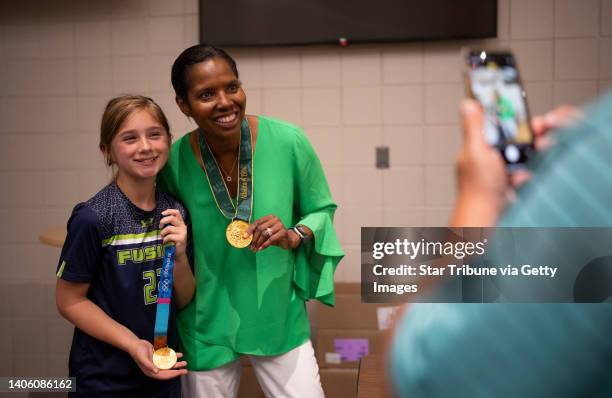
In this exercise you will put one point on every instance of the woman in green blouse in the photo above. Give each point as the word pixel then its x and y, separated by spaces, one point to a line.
pixel 263 237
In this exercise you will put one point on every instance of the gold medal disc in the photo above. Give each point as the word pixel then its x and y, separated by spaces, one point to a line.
pixel 234 233
pixel 164 358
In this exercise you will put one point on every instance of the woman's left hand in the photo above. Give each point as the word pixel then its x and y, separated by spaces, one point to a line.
pixel 173 229
pixel 270 231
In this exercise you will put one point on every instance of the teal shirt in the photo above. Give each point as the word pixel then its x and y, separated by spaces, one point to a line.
pixel 524 350
pixel 245 302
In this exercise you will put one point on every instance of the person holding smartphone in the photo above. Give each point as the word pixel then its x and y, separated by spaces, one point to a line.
pixel 518 350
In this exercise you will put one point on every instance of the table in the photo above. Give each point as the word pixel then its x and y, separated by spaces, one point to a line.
pixel 53 237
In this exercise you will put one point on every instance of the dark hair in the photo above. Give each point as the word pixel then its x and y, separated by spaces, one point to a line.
pixel 191 56
pixel 118 110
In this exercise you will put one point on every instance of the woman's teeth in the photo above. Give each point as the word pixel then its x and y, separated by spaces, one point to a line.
pixel 227 119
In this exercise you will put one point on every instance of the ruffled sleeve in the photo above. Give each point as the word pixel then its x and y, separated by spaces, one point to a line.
pixel 315 262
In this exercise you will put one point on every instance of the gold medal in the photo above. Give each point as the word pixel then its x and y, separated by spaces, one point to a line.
pixel 234 233
pixel 164 358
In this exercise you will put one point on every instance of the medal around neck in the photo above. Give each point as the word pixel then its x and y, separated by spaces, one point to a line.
pixel 240 213
pixel 164 357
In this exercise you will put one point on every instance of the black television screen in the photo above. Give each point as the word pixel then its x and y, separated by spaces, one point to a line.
pixel 296 22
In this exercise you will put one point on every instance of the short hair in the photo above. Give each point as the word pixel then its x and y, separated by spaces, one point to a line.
pixel 191 56
pixel 118 110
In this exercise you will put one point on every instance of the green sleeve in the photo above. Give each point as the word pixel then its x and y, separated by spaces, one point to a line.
pixel 315 262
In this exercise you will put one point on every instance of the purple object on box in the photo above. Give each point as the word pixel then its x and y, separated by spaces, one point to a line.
pixel 351 350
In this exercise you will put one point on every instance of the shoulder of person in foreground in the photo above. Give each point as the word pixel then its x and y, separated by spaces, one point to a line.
pixel 571 185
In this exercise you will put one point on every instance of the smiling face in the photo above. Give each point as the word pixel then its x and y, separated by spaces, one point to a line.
pixel 140 148
pixel 215 99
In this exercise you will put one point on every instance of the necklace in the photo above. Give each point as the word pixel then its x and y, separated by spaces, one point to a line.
pixel 228 177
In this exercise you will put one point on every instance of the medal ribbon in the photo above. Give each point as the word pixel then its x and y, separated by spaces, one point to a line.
pixel 244 200
pixel 164 296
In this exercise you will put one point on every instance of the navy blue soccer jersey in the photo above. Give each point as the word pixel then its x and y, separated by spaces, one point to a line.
pixel 116 248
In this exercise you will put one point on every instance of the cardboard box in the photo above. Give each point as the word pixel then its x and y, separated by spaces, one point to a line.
pixel 342 289
pixel 351 313
pixel 344 348
pixel 348 288
pixel 249 387
pixel 339 383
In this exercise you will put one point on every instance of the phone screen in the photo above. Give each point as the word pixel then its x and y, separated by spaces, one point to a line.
pixel 494 82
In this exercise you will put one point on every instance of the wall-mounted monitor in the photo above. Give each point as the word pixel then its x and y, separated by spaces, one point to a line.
pixel 301 22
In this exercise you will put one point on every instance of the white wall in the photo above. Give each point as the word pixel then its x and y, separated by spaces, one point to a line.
pixel 61 60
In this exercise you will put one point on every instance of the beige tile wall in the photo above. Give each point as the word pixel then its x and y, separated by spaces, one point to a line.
pixel 61 60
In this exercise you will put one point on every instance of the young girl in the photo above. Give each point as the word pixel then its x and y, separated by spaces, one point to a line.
pixel 110 264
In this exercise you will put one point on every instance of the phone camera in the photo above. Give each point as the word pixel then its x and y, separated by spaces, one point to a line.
pixel 512 154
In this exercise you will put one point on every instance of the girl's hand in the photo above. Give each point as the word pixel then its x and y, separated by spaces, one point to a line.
pixel 173 229
pixel 142 353
pixel 270 231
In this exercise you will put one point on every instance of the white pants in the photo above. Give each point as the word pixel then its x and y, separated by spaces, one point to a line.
pixel 294 374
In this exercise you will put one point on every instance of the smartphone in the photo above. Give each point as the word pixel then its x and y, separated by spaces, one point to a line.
pixel 493 80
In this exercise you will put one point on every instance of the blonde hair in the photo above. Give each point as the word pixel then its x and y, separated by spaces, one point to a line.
pixel 118 110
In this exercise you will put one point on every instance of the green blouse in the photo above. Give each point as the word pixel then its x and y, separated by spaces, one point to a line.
pixel 245 302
